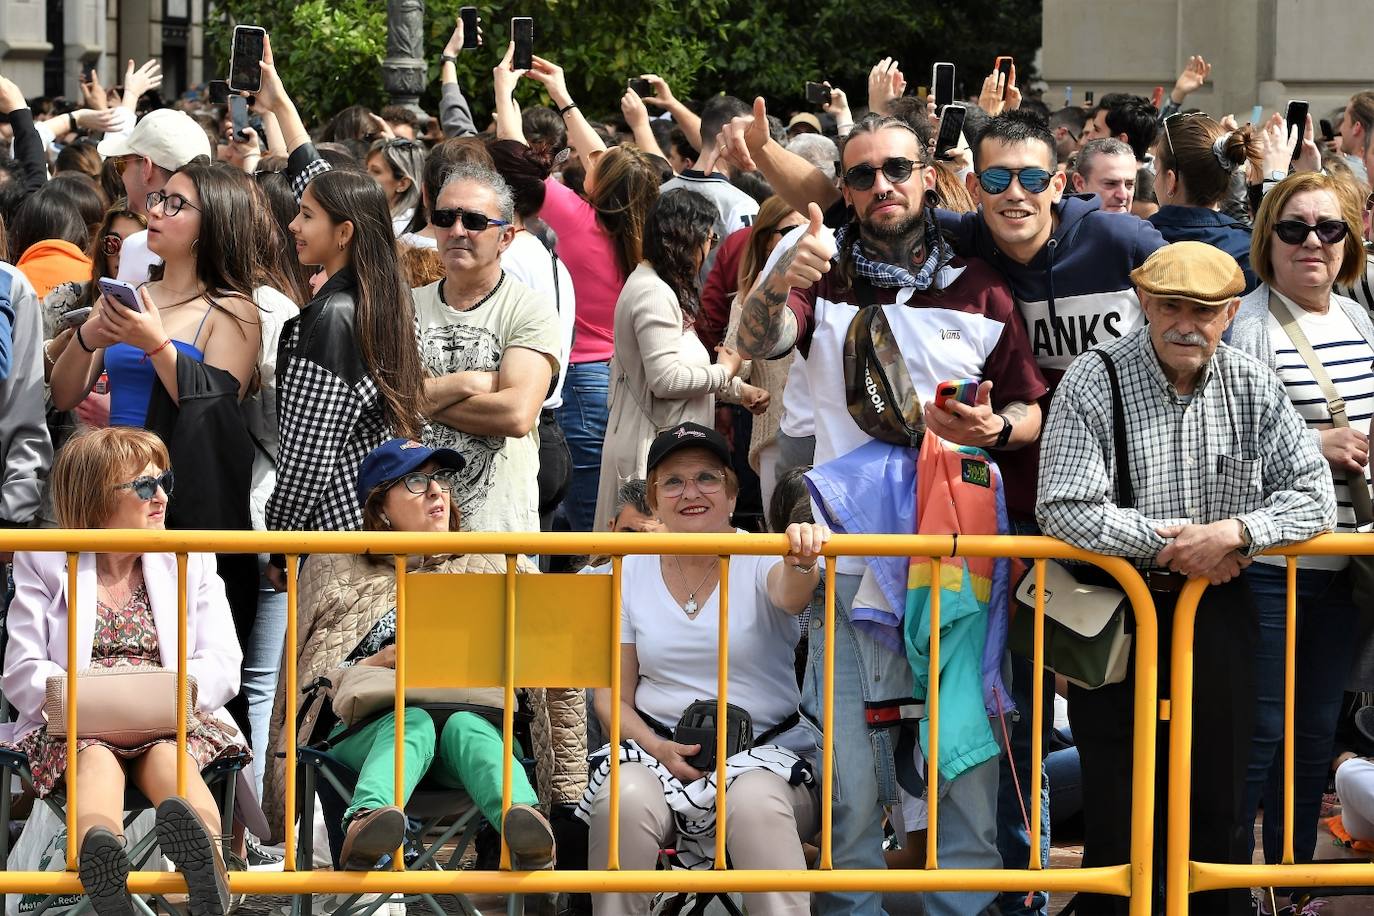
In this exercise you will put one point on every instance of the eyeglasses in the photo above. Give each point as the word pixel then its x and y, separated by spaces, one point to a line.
pixel 401 143
pixel 111 243
pixel 895 170
pixel 417 482
pixel 171 204
pixel 472 220
pixel 707 482
pixel 1294 231
pixel 997 179
pixel 1369 201
pixel 145 488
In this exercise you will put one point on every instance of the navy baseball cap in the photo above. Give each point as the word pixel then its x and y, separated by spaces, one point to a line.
pixel 396 458
pixel 688 435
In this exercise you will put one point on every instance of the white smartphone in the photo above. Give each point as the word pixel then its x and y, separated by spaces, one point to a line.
pixel 74 317
pixel 126 294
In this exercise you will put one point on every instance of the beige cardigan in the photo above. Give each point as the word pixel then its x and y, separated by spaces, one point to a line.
pixel 661 375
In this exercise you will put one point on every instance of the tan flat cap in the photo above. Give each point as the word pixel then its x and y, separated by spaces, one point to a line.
pixel 1190 270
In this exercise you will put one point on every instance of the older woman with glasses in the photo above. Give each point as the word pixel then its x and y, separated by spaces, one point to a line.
pixel 125 616
pixel 1321 345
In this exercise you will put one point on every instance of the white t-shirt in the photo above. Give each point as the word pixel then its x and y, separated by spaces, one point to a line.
pixel 498 488
pixel 1349 361
pixel 136 259
pixel 528 261
pixel 677 655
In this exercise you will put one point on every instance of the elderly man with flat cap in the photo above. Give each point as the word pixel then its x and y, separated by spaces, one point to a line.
pixel 1220 466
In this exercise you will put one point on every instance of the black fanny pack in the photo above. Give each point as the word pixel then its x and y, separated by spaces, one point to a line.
pixel 698 726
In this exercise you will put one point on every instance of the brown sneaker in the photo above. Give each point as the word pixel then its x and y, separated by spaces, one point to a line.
pixel 371 835
pixel 183 837
pixel 530 838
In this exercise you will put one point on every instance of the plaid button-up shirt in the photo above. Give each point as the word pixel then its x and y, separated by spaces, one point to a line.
pixel 1234 448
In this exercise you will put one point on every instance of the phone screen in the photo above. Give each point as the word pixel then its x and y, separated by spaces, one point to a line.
pixel 522 31
pixel 641 87
pixel 942 79
pixel 817 94
pixel 951 123
pixel 1297 120
pixel 244 72
pixel 238 114
pixel 1004 68
pixel 1088 97
pixel 469 14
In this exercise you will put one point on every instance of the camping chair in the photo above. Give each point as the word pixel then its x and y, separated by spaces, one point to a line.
pixel 221 777
pixel 453 633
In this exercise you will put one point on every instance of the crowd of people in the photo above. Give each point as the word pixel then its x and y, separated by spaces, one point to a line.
pixel 693 318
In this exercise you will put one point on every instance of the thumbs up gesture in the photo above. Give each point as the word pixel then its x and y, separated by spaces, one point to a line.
pixel 810 258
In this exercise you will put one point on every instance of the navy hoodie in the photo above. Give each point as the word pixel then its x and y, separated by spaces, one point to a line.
pixel 1200 224
pixel 1075 293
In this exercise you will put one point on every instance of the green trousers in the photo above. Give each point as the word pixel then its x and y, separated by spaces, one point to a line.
pixel 467 756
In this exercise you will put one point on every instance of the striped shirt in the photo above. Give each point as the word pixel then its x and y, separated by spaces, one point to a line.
pixel 1235 449
pixel 1362 290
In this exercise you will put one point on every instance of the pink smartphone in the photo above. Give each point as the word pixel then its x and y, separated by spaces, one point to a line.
pixel 965 391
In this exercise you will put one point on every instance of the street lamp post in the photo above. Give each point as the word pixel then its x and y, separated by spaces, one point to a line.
pixel 403 70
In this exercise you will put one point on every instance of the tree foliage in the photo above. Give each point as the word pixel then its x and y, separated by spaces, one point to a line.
pixel 333 49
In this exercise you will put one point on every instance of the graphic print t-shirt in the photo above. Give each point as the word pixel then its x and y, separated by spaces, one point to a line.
pixel 498 489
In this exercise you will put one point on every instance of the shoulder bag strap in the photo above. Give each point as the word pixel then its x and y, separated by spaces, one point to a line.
pixel 1335 404
pixel 1125 492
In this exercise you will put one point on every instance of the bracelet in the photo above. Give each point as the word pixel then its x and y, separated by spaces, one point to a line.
pixel 567 108
pixel 149 354
pixel 449 58
pixel 805 570
pixel 81 340
pixel 47 356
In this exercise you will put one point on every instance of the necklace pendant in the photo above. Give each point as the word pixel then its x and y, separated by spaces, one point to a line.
pixel 691 606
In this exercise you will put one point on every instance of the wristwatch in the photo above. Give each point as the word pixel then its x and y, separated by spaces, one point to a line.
pixel 449 58
pixel 1276 175
pixel 1246 542
pixel 1005 435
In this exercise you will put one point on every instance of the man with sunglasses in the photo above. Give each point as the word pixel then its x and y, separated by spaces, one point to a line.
pixel 162 142
pixel 490 346
pixel 952 318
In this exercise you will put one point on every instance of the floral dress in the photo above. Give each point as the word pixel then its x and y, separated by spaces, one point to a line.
pixel 127 638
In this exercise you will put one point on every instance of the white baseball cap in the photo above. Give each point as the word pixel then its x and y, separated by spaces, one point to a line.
pixel 167 137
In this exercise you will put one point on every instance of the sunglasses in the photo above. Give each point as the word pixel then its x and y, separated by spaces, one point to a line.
pixel 145 488
pixel 1369 201
pixel 707 482
pixel 471 220
pixel 121 163
pixel 417 482
pixel 111 244
pixel 171 204
pixel 1294 231
pixel 997 179
pixel 895 170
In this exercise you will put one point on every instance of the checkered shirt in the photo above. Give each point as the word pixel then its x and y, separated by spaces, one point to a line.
pixel 1235 449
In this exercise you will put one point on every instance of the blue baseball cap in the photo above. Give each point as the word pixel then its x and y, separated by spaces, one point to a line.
pixel 396 458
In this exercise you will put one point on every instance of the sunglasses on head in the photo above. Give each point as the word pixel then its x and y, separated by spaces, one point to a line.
pixel 1294 231
pixel 145 488
pixel 895 170
pixel 997 179
pixel 471 220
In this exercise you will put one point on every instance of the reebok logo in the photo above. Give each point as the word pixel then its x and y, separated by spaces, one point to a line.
pixel 873 395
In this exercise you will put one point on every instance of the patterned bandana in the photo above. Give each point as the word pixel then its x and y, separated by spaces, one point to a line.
pixel 892 276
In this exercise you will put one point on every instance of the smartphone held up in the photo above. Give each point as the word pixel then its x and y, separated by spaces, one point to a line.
pixel 522 33
pixel 250 43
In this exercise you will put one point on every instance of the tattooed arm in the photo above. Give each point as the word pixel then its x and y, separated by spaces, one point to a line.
pixel 767 328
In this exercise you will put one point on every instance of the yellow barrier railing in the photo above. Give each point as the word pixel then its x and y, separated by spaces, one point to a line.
pixel 1184 876
pixel 1131 880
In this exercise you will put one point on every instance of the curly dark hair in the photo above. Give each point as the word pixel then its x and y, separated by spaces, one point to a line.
pixel 677 225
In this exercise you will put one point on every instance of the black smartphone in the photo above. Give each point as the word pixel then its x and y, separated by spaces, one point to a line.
pixel 641 87
pixel 951 125
pixel 470 29
pixel 1088 98
pixel 1297 119
pixel 219 92
pixel 817 93
pixel 87 72
pixel 522 31
pixel 1004 64
pixel 1328 133
pixel 942 81
pixel 238 115
pixel 244 73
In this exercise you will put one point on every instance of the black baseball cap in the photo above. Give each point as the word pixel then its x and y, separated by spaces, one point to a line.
pixel 688 435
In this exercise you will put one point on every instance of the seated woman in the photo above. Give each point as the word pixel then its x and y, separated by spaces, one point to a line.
pixel 348 617
pixel 669 625
pixel 126 617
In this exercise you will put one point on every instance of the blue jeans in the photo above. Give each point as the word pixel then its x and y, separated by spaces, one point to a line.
pixel 583 416
pixel 1326 646
pixel 865 777
pixel 261 663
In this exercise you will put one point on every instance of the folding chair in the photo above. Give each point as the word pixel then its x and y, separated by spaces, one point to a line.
pixel 454 630
pixel 221 777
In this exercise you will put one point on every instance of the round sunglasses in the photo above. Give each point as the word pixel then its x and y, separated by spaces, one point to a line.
pixel 417 482
pixel 145 488
pixel 1294 231
pixel 895 170
pixel 996 180
pixel 471 220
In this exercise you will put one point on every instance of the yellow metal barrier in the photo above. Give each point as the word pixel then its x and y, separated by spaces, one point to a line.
pixel 1184 876
pixel 413 663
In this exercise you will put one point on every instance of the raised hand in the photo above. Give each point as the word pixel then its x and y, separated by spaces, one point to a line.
pixel 138 81
pixel 808 260
pixel 745 136
pixel 1194 75
pixel 663 94
pixel 885 83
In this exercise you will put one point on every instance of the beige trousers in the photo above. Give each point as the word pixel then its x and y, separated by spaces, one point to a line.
pixel 766 821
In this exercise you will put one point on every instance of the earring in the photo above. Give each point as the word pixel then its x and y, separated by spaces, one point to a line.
pixel 194 243
pixel 386 521
pixel 341 246
pixel 932 197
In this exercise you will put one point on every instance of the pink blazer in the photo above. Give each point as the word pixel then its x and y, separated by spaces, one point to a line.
pixel 38 620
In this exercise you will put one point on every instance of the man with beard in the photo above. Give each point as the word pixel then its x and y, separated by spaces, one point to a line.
pixel 490 345
pixel 952 318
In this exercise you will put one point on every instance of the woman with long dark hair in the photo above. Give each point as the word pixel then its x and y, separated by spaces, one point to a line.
pixel 351 376
pixel 661 374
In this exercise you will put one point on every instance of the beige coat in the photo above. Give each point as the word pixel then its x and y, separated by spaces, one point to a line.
pixel 342 596
pixel 661 375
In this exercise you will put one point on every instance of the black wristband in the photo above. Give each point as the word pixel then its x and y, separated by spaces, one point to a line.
pixel 569 107
pixel 1005 435
pixel 449 58
pixel 81 340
